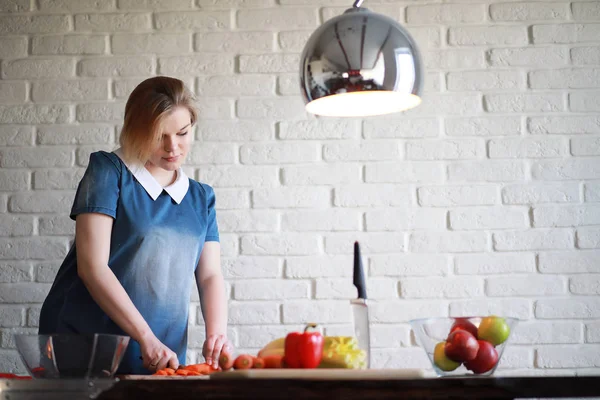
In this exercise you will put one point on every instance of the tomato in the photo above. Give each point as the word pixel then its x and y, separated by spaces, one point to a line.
pixel 486 358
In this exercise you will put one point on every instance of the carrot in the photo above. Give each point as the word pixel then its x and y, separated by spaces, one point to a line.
pixel 194 373
pixel 161 372
pixel 226 361
pixel 200 368
pixel 212 369
pixel 169 371
pixel 243 361
pixel 181 371
pixel 274 361
pixel 203 368
pixel 258 363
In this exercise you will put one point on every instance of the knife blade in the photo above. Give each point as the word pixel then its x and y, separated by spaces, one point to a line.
pixel 360 309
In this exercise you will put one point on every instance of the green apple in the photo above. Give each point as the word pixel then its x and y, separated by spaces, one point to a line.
pixel 493 329
pixel 440 359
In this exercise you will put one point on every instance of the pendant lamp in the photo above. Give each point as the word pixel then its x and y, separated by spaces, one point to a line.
pixel 360 64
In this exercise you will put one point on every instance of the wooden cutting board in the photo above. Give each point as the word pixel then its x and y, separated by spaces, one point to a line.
pixel 290 373
pixel 320 373
pixel 161 377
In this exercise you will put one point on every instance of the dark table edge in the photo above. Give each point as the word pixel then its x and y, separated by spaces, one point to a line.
pixel 422 388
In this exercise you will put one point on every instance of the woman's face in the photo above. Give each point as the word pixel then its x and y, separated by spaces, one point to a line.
pixel 176 141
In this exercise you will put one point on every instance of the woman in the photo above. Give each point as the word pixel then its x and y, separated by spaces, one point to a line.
pixel 143 231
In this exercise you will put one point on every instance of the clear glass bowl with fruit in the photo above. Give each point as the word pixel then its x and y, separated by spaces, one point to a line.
pixel 464 345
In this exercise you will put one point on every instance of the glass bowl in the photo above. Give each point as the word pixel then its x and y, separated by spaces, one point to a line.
pixel 494 331
pixel 71 355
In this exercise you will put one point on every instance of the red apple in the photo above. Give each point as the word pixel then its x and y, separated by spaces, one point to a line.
pixel 461 346
pixel 465 325
pixel 486 358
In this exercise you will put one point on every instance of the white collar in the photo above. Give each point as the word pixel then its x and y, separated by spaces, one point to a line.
pixel 177 190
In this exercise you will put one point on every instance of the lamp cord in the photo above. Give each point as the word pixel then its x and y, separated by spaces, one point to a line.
pixel 357 3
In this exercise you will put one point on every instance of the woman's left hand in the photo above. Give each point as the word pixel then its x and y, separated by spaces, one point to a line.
pixel 214 345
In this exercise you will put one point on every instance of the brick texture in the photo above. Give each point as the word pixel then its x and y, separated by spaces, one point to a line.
pixel 483 200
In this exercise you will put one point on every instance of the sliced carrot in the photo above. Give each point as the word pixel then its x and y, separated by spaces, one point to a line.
pixel 274 361
pixel 243 361
pixel 212 369
pixel 200 368
pixel 161 372
pixel 169 371
pixel 206 368
pixel 181 371
pixel 258 363
pixel 194 373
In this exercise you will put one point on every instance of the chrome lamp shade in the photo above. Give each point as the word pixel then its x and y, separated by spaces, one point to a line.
pixel 360 64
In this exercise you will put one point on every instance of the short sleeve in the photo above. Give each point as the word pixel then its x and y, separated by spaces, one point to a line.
pixel 98 190
pixel 212 229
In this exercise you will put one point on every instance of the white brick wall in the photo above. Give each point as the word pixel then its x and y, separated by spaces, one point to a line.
pixel 485 199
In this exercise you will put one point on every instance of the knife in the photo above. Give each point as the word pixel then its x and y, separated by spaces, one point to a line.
pixel 359 306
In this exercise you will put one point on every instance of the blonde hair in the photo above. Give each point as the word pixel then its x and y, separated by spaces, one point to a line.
pixel 148 104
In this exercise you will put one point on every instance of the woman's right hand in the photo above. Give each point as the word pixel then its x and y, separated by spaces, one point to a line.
pixel 157 356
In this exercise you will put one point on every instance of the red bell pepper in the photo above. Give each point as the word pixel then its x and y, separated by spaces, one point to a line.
pixel 303 349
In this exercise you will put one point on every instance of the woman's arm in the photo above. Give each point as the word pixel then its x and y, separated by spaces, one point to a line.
pixel 211 288
pixel 92 241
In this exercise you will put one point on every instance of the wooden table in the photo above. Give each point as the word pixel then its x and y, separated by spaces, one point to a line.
pixel 423 388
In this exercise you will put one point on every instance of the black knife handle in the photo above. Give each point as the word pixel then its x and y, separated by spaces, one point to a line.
pixel 359 277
